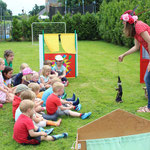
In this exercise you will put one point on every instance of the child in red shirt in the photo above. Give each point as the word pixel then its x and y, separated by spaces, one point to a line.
pixel 24 130
pixel 16 101
pixel 55 105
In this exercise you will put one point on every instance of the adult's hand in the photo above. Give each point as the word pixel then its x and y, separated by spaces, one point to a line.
pixel 120 58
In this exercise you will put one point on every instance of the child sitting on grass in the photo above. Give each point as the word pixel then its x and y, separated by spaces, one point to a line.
pixel 37 118
pixel 5 96
pixel 16 101
pixel 60 69
pixel 18 77
pixel 27 75
pixel 35 79
pixel 38 102
pixel 55 105
pixel 7 75
pixel 49 91
pixel 45 76
pixel 24 130
pixel 9 56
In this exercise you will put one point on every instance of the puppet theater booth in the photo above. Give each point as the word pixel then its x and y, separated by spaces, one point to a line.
pixel 118 130
pixel 144 60
pixel 64 44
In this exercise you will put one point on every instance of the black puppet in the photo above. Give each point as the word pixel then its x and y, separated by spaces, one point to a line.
pixel 120 92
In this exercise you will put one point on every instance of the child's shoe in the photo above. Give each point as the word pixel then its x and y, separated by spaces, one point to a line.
pixel 85 115
pixel 49 131
pixel 78 107
pixel 76 102
pixel 63 135
pixel 64 96
pixel 1 105
pixel 72 99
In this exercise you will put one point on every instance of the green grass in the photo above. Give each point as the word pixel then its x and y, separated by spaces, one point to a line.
pixel 95 86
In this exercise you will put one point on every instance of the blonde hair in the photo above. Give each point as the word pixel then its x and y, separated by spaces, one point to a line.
pixel 1 60
pixel 57 86
pixel 56 79
pixel 23 66
pixel 35 74
pixel 28 94
pixel 25 105
pixel 45 69
pixel 34 87
pixel 48 62
pixel 27 77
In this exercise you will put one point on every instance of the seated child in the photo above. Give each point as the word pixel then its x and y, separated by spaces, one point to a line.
pixel 18 77
pixel 60 69
pixel 35 79
pixel 16 101
pixel 38 102
pixel 37 118
pixel 5 96
pixel 7 74
pixel 9 56
pixel 49 91
pixel 55 105
pixel 27 75
pixel 44 77
pixel 24 130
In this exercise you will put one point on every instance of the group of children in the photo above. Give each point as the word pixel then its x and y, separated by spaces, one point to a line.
pixel 34 93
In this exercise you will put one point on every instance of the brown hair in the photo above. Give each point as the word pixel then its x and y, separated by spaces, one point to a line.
pixel 48 62
pixel 7 53
pixel 25 105
pixel 28 94
pixel 129 30
pixel 34 87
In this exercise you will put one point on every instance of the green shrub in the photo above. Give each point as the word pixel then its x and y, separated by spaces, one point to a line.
pixel 16 30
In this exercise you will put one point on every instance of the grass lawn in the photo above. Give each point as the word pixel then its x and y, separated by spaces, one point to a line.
pixel 95 86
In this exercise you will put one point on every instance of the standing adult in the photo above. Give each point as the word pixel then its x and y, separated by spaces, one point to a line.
pixel 140 31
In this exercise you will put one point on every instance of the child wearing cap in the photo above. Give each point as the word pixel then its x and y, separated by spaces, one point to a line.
pixel 24 130
pixel 27 75
pixel 60 69
pixel 9 56
pixel 18 77
pixel 16 101
pixel 55 105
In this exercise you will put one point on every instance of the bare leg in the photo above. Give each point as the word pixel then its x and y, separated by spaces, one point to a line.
pixel 74 114
pixel 47 138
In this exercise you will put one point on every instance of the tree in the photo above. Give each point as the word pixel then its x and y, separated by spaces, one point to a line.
pixel 36 9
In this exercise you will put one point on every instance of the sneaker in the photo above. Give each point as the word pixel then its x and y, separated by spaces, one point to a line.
pixel 85 115
pixel 78 107
pixel 49 131
pixel 76 102
pixel 65 135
